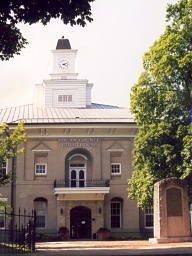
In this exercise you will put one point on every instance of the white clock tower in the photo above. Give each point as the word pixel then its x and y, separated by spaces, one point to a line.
pixel 63 89
pixel 63 61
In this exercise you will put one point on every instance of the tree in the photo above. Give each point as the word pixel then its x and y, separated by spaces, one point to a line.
pixel 161 102
pixel 13 12
pixel 8 149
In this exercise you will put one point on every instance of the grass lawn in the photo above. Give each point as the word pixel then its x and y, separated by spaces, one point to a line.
pixel 9 248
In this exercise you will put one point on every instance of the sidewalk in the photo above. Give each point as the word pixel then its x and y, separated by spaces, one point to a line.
pixel 109 248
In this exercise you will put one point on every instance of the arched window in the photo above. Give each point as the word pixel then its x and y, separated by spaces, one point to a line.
pixel 77 170
pixel 40 206
pixel 116 212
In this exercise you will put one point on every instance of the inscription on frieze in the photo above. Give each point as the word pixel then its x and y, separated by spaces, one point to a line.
pixel 174 202
pixel 78 142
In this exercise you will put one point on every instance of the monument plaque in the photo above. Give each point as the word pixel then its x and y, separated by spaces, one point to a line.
pixel 173 201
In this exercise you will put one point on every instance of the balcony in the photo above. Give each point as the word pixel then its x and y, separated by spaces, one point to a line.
pixel 73 189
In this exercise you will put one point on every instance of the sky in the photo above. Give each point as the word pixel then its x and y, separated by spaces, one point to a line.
pixel 110 51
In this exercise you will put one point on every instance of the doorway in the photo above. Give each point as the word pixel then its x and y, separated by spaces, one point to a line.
pixel 80 223
pixel 77 175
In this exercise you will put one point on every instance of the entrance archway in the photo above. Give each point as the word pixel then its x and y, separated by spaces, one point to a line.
pixel 80 223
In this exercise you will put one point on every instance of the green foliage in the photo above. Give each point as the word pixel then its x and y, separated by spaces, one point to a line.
pixel 161 102
pixel 127 237
pixel 4 205
pixel 42 237
pixel 8 147
pixel 12 12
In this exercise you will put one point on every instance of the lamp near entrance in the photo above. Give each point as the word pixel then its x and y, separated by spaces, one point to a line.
pixel 61 211
pixel 100 210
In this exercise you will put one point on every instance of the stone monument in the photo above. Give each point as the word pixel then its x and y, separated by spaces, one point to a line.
pixel 171 212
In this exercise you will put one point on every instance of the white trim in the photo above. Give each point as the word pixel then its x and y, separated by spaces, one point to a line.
pixel 61 92
pixel 83 190
pixel 2 214
pixel 115 150
pixel 40 174
pixel 77 172
pixel 6 167
pixel 41 150
pixel 3 199
pixel 147 214
pixel 116 173
pixel 78 155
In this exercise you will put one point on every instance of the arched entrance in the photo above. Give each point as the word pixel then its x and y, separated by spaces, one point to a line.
pixel 80 223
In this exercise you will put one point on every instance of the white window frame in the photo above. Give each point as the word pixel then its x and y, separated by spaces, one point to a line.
pixel 5 167
pixel 2 215
pixel 2 209
pixel 116 202
pixel 43 173
pixel 77 169
pixel 65 98
pixel 148 211
pixel 45 214
pixel 116 173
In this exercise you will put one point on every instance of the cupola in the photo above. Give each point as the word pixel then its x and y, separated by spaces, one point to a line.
pixel 63 89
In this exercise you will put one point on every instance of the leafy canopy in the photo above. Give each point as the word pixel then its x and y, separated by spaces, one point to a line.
pixel 161 102
pixel 13 12
pixel 8 149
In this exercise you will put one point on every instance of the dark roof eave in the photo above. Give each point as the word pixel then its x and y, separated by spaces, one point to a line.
pixel 48 123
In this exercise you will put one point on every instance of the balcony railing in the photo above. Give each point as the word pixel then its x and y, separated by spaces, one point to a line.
pixel 74 183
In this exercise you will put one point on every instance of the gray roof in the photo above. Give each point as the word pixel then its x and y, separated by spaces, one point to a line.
pixel 98 113
pixel 63 44
pixel 103 106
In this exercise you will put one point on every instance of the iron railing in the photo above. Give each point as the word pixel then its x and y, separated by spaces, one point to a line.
pixel 72 183
pixel 17 233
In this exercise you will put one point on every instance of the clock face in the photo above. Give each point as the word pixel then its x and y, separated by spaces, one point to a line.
pixel 63 64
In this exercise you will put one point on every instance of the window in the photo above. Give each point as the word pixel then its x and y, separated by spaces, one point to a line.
pixel 3 169
pixel 40 205
pixel 41 163
pixel 115 214
pixel 149 217
pixel 64 98
pixel 40 169
pixel 115 161
pixel 115 168
pixel 77 177
pixel 2 218
pixel 77 171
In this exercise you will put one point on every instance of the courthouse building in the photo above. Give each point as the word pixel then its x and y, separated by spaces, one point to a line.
pixel 77 159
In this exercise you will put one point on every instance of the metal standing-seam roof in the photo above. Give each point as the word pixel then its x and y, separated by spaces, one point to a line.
pixel 98 113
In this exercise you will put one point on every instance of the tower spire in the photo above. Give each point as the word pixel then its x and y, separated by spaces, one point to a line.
pixel 63 44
